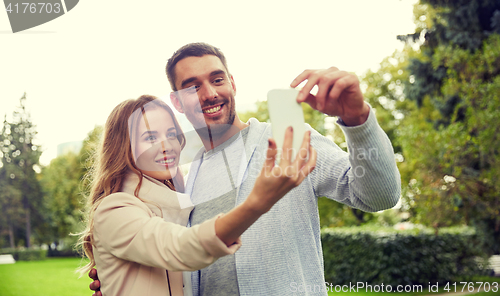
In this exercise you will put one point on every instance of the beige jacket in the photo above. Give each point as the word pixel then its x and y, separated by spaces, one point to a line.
pixel 136 242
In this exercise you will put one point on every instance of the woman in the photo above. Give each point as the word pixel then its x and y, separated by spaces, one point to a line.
pixel 137 213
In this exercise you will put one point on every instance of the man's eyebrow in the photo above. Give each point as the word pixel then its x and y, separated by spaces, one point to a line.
pixel 188 80
pixel 149 132
pixel 191 79
pixel 217 72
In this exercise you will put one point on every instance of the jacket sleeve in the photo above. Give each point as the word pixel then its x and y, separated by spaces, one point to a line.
pixel 125 227
pixel 367 177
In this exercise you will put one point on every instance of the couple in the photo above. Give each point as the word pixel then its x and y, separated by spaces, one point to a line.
pixel 134 229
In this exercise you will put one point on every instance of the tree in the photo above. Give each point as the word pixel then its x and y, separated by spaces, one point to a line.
pixel 19 158
pixel 448 137
pixel 61 185
pixel 10 196
pixel 64 186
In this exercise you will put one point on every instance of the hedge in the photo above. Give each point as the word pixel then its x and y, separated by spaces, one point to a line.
pixel 25 254
pixel 399 258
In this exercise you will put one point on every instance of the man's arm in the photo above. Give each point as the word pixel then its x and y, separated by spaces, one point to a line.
pixel 367 177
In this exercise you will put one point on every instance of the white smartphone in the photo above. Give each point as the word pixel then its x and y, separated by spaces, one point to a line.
pixel 284 111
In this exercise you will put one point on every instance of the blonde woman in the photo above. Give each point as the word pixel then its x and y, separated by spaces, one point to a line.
pixel 136 235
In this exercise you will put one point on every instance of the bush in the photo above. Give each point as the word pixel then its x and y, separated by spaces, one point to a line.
pixel 411 257
pixel 25 254
pixel 63 253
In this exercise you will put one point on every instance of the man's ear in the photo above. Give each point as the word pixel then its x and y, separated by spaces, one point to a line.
pixel 174 98
pixel 233 85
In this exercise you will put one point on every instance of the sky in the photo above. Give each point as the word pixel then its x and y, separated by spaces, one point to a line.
pixel 76 68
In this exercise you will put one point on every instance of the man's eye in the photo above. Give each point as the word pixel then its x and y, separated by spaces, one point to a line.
pixel 219 80
pixel 191 89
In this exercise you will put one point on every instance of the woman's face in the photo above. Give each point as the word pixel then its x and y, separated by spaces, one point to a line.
pixel 157 149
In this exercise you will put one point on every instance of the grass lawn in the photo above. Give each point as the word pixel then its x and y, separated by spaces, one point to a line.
pixel 57 277
pixel 43 278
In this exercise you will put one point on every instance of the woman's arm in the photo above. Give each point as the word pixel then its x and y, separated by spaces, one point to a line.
pixel 272 184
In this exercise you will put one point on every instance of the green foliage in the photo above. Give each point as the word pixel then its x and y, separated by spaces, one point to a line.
pixel 399 258
pixel 384 91
pixel 449 139
pixel 335 214
pixel 466 149
pixel 21 197
pixel 261 114
pixel 462 23
pixel 86 157
pixel 65 186
pixel 25 254
pixel 61 183
pixel 438 100
pixel 11 208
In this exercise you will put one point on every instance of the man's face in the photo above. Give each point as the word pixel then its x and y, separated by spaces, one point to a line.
pixel 206 93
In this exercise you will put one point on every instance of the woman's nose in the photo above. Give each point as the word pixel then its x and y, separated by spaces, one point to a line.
pixel 166 146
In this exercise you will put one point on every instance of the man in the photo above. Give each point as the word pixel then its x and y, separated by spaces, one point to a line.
pixel 281 253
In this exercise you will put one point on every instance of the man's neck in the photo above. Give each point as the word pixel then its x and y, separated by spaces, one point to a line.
pixel 210 142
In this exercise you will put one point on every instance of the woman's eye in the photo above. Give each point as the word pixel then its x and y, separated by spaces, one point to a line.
pixel 172 136
pixel 150 138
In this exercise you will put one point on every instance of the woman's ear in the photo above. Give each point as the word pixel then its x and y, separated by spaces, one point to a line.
pixel 174 98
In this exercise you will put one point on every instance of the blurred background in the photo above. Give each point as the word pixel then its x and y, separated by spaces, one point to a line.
pixel 429 68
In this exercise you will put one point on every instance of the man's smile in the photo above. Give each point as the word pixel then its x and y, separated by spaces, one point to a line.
pixel 212 110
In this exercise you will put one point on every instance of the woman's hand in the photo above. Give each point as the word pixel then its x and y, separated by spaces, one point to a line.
pixel 274 180
pixel 271 185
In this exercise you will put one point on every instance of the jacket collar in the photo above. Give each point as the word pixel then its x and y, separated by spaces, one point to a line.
pixel 162 201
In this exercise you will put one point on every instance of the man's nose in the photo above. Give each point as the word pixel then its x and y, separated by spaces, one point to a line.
pixel 208 92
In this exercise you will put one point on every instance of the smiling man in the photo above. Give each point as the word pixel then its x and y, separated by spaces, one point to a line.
pixel 205 94
pixel 281 253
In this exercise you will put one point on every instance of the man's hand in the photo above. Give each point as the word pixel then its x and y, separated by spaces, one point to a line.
pixel 338 94
pixel 95 285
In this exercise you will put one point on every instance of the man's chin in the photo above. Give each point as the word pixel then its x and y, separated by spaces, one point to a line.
pixel 219 129
pixel 214 131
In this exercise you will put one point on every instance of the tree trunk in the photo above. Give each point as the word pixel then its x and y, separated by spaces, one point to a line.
pixel 28 228
pixel 358 214
pixel 11 236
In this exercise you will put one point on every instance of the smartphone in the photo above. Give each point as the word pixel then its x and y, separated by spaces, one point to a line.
pixel 284 111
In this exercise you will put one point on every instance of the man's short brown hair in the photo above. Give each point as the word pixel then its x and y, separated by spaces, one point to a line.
pixel 198 49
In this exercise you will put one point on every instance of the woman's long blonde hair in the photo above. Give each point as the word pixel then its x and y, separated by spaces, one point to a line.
pixel 114 160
